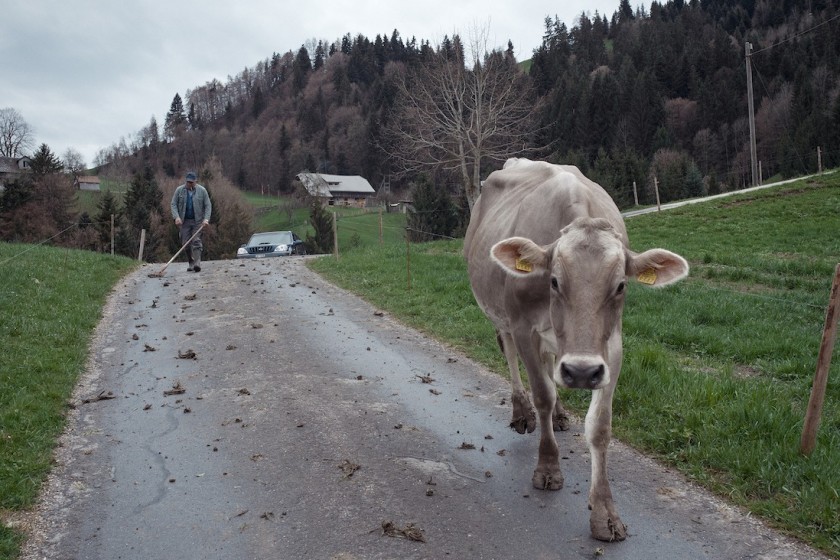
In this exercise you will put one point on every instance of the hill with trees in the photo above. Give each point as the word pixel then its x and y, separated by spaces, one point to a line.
pixel 651 95
pixel 658 90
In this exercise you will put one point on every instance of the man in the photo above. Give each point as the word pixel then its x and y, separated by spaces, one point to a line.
pixel 191 209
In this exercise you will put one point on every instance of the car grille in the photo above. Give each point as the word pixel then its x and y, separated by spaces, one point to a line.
pixel 263 249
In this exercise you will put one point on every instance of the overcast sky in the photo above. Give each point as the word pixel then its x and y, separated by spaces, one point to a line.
pixel 85 73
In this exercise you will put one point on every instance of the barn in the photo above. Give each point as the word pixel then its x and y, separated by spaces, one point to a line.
pixel 337 190
pixel 87 183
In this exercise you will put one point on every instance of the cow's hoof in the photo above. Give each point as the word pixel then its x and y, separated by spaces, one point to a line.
pixel 522 424
pixel 548 479
pixel 608 528
pixel 560 419
pixel 524 417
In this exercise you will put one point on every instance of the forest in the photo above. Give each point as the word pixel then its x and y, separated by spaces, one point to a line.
pixel 660 90
pixel 645 96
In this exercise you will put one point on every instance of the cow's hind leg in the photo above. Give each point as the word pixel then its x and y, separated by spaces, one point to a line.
pixel 604 522
pixel 524 417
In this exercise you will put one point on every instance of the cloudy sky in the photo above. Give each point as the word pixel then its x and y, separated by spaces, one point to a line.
pixel 86 73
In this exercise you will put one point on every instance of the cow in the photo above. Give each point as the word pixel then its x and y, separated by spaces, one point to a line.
pixel 549 260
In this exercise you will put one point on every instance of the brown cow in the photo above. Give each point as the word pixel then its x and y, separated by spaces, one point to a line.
pixel 548 260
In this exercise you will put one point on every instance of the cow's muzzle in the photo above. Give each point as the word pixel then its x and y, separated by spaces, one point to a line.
pixel 578 372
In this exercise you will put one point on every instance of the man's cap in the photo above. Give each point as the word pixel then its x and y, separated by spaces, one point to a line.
pixel 191 176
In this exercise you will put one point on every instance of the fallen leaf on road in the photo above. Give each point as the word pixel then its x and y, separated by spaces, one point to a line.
pixel 103 396
pixel 188 355
pixel 425 378
pixel 147 348
pixel 410 531
pixel 348 468
pixel 176 389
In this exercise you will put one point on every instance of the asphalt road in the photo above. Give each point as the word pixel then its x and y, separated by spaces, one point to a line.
pixel 253 411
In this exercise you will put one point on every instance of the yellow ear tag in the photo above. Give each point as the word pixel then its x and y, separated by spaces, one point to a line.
pixel 648 277
pixel 524 266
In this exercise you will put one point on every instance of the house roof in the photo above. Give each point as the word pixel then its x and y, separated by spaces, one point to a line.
pixel 324 185
pixel 11 164
pixel 88 179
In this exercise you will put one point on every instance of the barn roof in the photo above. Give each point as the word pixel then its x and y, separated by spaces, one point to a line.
pixel 325 185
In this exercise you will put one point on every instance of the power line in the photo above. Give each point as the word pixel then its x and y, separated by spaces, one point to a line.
pixel 792 37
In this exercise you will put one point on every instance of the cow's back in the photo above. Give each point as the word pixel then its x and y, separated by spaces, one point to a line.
pixel 529 199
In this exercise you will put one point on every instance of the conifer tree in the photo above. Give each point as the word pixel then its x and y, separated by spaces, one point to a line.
pixel 107 207
pixel 321 222
pixel 142 203
pixel 44 162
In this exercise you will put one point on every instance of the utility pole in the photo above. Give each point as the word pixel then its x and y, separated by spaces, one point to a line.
pixel 753 157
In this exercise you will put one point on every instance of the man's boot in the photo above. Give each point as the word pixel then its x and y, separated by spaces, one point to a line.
pixel 189 253
pixel 197 260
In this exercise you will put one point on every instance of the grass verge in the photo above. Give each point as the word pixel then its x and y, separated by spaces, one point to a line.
pixel 50 301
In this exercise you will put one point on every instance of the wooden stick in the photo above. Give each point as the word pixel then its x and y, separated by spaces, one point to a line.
pixel 184 246
pixel 815 403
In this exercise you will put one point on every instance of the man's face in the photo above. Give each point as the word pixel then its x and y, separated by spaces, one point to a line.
pixel 191 184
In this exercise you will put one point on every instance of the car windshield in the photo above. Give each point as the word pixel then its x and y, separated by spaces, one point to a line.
pixel 271 238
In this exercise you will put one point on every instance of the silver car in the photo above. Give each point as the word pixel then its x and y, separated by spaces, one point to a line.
pixel 271 244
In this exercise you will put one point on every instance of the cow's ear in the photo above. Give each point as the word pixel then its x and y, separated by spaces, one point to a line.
pixel 519 256
pixel 656 267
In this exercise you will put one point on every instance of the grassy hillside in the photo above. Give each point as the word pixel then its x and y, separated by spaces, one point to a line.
pixel 718 369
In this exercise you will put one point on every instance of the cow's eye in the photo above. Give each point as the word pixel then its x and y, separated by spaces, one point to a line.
pixel 554 283
pixel 620 289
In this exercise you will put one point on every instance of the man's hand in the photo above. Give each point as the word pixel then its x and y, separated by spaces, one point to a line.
pixel 177 221
pixel 206 222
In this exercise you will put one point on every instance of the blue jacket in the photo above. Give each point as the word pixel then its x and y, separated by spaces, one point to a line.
pixel 201 203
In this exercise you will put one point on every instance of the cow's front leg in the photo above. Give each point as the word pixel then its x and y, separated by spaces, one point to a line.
pixel 561 421
pixel 547 475
pixel 524 417
pixel 604 522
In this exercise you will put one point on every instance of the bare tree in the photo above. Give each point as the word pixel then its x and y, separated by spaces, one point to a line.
pixel 15 133
pixel 73 161
pixel 459 114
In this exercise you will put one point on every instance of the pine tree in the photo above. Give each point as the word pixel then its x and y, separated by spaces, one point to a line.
pixel 44 162
pixel 175 119
pixel 321 222
pixel 434 213
pixel 107 207
pixel 142 201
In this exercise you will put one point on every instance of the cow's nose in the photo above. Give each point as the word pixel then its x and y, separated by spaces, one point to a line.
pixel 582 376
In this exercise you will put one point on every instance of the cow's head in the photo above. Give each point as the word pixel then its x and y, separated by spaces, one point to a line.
pixel 585 273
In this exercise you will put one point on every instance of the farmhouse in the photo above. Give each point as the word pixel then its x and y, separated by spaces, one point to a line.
pixel 11 168
pixel 86 183
pixel 337 190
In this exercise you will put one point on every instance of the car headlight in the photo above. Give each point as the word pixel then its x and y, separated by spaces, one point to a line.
pixel 281 248
pixel 242 251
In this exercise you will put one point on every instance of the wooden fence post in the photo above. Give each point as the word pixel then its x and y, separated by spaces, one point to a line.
pixel 815 403
pixel 408 258
pixel 656 188
pixel 819 160
pixel 142 244
pixel 380 227
pixel 112 235
pixel 335 235
pixel 635 193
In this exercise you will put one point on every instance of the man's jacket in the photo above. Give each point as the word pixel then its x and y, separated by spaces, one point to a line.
pixel 201 203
